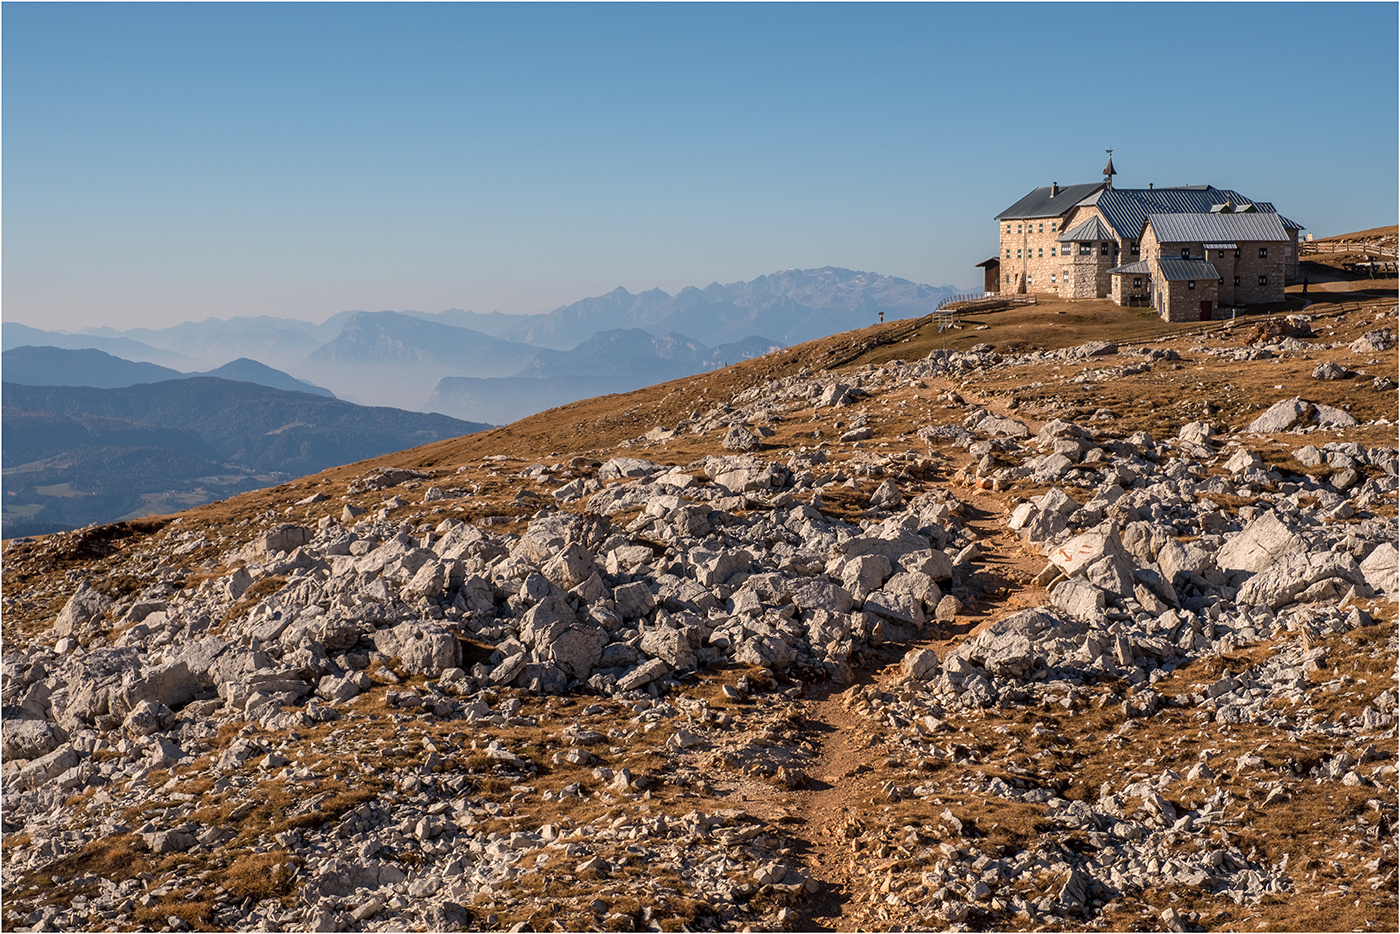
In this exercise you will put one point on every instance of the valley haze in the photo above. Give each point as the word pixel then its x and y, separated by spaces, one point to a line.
pixel 606 343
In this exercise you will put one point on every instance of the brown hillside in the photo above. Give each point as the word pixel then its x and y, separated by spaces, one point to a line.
pixel 851 799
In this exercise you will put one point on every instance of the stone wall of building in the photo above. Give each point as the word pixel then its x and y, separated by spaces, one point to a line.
pixel 1029 254
pixel 1125 287
pixel 1181 301
pixel 1119 253
pixel 1243 264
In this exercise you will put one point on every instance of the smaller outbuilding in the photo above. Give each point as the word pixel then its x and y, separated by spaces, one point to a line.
pixel 1188 289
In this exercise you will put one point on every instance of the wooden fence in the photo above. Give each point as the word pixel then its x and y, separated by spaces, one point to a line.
pixel 1370 247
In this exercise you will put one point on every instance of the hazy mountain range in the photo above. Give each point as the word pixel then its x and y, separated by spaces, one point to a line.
pixel 74 455
pixel 402 358
pixel 54 366
pixel 112 423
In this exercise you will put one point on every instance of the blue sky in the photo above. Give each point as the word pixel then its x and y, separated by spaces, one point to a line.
pixel 167 162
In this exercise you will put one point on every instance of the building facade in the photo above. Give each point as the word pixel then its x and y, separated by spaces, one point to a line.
pixel 1089 241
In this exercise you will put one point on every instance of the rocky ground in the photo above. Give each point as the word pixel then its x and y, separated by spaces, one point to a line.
pixel 1098 637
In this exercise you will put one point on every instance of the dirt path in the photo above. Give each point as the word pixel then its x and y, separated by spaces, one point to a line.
pixel 826 806
pixel 849 765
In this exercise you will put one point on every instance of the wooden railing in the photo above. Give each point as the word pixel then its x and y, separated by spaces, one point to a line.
pixel 1369 247
pixel 982 303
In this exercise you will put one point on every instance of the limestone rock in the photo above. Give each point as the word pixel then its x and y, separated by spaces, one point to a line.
pixel 920 665
pixel 1099 557
pixel 28 739
pixel 421 647
pixel 1264 542
pixel 82 609
pixel 1380 569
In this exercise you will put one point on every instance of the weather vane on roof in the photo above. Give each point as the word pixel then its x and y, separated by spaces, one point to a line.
pixel 1108 170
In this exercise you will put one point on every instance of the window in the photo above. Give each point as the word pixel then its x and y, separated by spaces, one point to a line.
pixel 1220 281
pixel 1137 250
pixel 1008 275
pixel 1029 277
pixel 1008 253
pixel 1237 280
pixel 1137 282
pixel 1052 226
pixel 1263 252
pixel 1263 280
pixel 1042 228
pixel 1191 284
pixel 1040 252
pixel 1103 249
pixel 1018 228
pixel 1018 254
pixel 1008 228
pixel 1065 274
pixel 1186 252
pixel 1237 254
pixel 1221 254
pixel 1086 249
pixel 1052 251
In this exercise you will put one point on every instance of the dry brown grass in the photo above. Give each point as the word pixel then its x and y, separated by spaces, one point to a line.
pixel 1085 747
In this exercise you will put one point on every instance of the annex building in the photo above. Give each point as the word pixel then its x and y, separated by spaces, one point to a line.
pixel 1188 251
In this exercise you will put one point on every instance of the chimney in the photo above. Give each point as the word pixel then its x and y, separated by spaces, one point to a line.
pixel 1054 189
pixel 1149 186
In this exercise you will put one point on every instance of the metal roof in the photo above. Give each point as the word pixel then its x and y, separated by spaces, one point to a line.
pixel 1132 269
pixel 1092 229
pixel 1290 225
pixel 1177 270
pixel 1040 203
pixel 994 261
pixel 1220 246
pixel 1216 228
pixel 1126 209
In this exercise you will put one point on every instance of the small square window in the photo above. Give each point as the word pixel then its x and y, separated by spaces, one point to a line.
pixel 1186 252
pixel 1052 251
pixel 1052 226
pixel 1029 277
pixel 1008 228
pixel 1237 254
pixel 1065 275
pixel 1263 280
pixel 1040 252
pixel 1220 281
pixel 1237 280
pixel 1263 252
pixel 1137 282
pixel 1018 254
pixel 1191 284
pixel 1008 253
pixel 1103 249
pixel 1137 250
pixel 1086 249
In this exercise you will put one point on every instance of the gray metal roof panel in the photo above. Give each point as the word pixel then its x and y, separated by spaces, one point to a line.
pixel 1040 203
pixel 1178 270
pixel 1132 269
pixel 1220 246
pixel 1092 229
pixel 1216 228
pixel 1126 209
